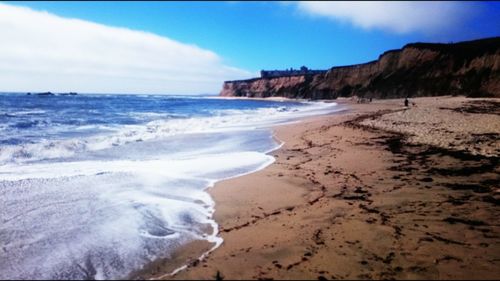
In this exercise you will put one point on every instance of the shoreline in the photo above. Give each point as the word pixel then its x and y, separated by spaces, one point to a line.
pixel 309 233
pixel 255 98
pixel 191 253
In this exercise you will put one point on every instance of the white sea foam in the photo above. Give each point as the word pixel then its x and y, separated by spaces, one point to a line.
pixel 106 205
pixel 26 112
pixel 126 215
pixel 225 120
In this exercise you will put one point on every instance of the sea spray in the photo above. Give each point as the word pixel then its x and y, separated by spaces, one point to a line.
pixel 99 187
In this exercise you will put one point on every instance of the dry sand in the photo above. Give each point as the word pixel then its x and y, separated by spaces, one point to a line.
pixel 378 192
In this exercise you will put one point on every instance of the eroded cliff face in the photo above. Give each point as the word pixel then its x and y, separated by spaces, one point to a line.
pixel 468 68
pixel 288 86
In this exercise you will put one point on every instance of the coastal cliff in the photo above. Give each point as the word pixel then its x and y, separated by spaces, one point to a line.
pixel 469 68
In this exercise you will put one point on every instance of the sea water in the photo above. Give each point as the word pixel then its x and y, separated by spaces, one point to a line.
pixel 98 186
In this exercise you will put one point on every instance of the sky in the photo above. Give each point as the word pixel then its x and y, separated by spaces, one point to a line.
pixel 192 47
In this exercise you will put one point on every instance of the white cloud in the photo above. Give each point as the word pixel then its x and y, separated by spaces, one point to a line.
pixel 397 17
pixel 40 51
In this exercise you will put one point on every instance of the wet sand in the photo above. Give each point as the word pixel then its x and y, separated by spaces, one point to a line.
pixel 378 192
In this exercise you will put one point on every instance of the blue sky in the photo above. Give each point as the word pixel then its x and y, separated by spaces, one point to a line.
pixel 245 37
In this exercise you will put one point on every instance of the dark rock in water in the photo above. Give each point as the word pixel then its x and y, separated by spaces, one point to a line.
pixel 45 94
pixel 53 94
pixel 28 94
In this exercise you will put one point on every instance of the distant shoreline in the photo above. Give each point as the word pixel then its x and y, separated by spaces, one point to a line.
pixel 416 70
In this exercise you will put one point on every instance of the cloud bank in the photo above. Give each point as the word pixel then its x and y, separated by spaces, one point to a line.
pixel 396 17
pixel 40 51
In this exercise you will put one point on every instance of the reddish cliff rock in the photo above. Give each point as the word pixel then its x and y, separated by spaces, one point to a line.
pixel 468 68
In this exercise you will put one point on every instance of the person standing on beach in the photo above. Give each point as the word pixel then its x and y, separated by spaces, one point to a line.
pixel 406 102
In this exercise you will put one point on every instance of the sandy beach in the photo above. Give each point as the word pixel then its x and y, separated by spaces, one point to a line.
pixel 249 140
pixel 377 192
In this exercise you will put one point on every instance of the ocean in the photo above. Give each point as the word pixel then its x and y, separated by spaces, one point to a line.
pixel 98 186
